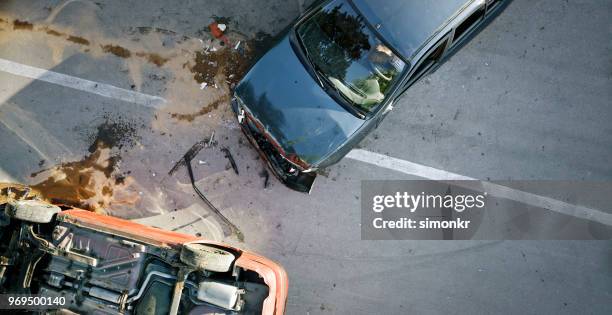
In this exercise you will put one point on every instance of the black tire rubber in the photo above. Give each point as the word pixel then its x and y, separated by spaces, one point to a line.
pixel 203 257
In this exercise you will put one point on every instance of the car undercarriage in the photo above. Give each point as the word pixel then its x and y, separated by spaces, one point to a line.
pixel 104 265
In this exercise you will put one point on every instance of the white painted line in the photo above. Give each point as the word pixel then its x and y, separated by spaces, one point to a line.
pixel 496 190
pixel 102 89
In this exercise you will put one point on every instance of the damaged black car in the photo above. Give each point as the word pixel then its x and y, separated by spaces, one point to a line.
pixel 337 71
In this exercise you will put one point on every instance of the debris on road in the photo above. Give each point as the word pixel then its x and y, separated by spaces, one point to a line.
pixel 189 155
pixel 212 139
pixel 229 156
pixel 234 229
pixel 266 177
pixel 217 30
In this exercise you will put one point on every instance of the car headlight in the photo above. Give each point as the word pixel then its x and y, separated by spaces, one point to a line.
pixel 239 109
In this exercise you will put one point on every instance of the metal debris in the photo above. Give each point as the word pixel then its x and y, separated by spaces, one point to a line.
pixel 234 228
pixel 210 142
pixel 191 153
pixel 229 156
pixel 266 177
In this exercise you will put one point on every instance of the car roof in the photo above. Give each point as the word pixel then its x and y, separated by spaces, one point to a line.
pixel 408 24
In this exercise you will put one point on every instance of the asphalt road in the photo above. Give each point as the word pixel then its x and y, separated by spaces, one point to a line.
pixel 528 98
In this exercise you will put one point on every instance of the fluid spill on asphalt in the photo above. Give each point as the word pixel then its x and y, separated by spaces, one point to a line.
pixel 53 32
pixel 117 51
pixel 114 49
pixel 153 58
pixel 22 25
pixel 99 180
pixel 230 62
pixel 78 40
pixel 114 135
pixel 93 182
pixel 205 110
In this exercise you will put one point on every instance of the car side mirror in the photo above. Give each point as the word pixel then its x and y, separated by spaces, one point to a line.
pixel 388 109
pixel 382 116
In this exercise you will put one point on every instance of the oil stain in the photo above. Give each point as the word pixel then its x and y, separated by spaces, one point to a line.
pixel 90 183
pixel 78 40
pixel 114 134
pixel 205 110
pixel 53 32
pixel 117 51
pixel 22 25
pixel 153 58
pixel 76 183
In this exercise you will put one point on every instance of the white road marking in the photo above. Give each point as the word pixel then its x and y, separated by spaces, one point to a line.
pixel 377 159
pixel 496 190
pixel 24 125
pixel 102 89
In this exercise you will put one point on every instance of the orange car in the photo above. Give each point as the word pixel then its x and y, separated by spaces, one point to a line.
pixel 97 264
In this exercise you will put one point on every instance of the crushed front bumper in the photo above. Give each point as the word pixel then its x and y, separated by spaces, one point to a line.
pixel 285 171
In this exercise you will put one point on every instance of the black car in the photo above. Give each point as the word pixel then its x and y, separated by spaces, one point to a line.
pixel 336 72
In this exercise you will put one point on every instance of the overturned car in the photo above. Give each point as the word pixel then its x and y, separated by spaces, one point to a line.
pixel 99 264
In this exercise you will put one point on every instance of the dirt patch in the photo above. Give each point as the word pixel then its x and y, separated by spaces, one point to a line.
pixel 78 40
pixel 205 110
pixel 153 58
pixel 117 51
pixel 229 62
pixel 22 25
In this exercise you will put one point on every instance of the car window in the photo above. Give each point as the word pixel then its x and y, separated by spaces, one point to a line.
pixel 429 60
pixel 468 23
pixel 350 56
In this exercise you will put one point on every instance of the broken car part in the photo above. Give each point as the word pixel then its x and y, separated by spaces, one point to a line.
pixel 229 156
pixel 214 209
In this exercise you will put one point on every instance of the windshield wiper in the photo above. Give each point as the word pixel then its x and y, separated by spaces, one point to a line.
pixel 315 68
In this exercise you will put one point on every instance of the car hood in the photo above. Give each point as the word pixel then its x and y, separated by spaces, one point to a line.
pixel 293 108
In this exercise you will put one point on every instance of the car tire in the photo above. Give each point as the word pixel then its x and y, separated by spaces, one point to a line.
pixel 205 257
pixel 31 211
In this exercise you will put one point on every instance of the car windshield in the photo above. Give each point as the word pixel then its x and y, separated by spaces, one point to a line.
pixel 349 55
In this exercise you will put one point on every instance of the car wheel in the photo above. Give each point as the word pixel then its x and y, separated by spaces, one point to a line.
pixel 205 257
pixel 31 211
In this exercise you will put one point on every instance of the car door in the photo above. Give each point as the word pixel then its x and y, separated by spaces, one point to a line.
pixel 429 62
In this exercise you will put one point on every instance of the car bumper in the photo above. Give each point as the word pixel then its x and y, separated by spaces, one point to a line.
pixel 275 278
pixel 296 180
